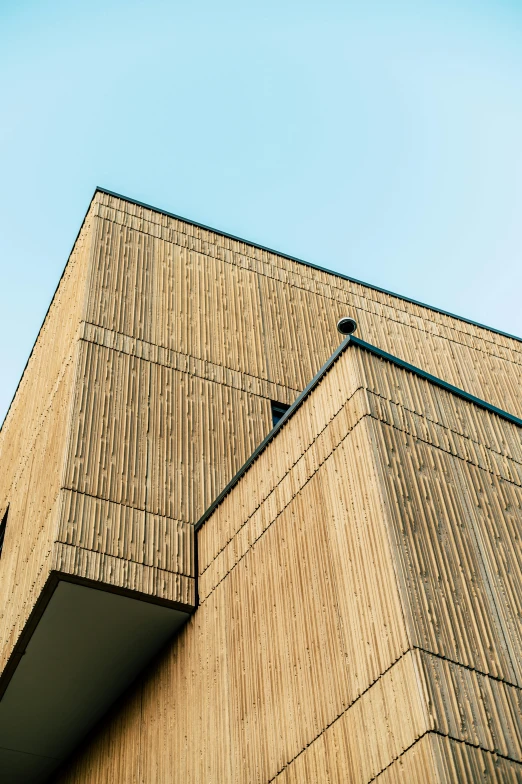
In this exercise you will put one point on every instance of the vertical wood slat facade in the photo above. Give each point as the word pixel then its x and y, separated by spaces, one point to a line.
pixel 32 447
pixel 350 625
pixel 152 377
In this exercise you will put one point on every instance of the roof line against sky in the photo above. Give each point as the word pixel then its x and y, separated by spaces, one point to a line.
pixel 55 292
pixel 100 189
pixel 351 340
pixel 306 263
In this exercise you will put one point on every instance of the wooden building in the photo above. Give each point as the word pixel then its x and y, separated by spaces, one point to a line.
pixel 190 594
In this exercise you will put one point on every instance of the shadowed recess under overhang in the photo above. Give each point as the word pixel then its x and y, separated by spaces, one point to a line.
pixel 86 649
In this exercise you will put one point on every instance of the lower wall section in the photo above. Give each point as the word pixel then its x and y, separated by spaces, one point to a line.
pixel 435 759
pixel 424 720
pixel 369 735
pixel 296 666
pixel 419 694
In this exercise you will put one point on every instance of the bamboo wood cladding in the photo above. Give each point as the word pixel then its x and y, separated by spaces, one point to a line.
pixel 438 760
pixel 392 715
pixel 175 360
pixel 358 612
pixel 300 307
pixel 32 445
pixel 153 438
pixel 359 587
pixel 51 354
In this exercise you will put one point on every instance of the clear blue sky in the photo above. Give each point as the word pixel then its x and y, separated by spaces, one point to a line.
pixel 380 139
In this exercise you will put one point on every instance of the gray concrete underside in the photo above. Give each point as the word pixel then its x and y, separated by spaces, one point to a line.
pixel 88 646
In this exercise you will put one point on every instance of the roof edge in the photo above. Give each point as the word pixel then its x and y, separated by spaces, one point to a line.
pixel 4 420
pixel 275 430
pixel 310 264
pixel 351 340
pixel 477 401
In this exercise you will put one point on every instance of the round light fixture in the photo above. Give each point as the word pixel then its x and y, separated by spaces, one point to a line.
pixel 346 325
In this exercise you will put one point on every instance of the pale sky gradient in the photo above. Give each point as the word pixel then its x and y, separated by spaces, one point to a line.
pixel 379 139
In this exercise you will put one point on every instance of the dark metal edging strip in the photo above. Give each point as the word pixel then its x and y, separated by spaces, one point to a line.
pixel 352 340
pixel 437 381
pixel 306 263
pixel 99 189
pixel 275 430
pixel 49 307
pixel 45 597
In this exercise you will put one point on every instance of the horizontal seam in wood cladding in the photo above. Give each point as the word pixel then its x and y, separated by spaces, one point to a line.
pixel 414 416
pixel 40 423
pixel 339 715
pixel 499 729
pixel 437 381
pixel 347 292
pixel 279 513
pixel 177 360
pixel 384 357
pixel 207 235
pixel 238 246
pixel 464 666
pixel 412 745
pixel 414 433
pixel 139 577
pixel 378 416
pixel 439 734
pixel 103 554
pixel 190 442
pixel 430 719
pixel 456 552
pixel 302 455
pixel 467 364
pixel 259 451
pixel 126 505
pixel 109 527
pixel 123 559
pixel 437 759
pixel 202 599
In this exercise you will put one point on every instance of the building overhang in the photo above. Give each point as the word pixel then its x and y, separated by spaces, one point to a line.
pixel 83 646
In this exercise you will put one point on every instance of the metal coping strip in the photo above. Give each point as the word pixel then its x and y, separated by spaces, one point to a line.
pixel 352 340
pixel 437 381
pixel 275 430
pixel 99 189
pixel 306 263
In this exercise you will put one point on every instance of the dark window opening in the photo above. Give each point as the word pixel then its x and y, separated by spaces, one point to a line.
pixel 278 411
pixel 2 529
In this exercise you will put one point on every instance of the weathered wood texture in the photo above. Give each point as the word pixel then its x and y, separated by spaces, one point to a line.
pixel 359 605
pixel 381 732
pixel 441 760
pixel 150 385
pixel 32 447
pixel 232 304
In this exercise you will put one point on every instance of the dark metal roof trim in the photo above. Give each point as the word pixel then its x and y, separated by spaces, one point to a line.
pixel 275 430
pixel 351 340
pixel 99 189
pixel 477 401
pixel 308 264
pixel 49 307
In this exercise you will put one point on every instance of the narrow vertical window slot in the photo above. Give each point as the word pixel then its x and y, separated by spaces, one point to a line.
pixel 3 525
